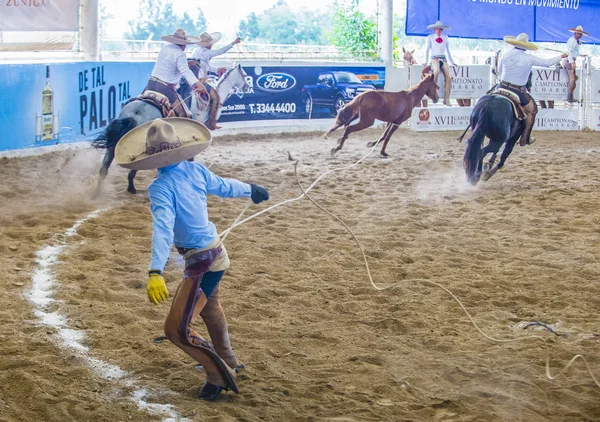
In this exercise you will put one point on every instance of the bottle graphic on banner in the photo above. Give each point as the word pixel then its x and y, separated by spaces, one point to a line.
pixel 47 120
pixel 38 127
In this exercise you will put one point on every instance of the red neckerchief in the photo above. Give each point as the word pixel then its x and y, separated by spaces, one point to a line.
pixel 439 40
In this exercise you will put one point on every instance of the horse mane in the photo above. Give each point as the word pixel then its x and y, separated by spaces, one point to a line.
pixel 224 75
pixel 420 83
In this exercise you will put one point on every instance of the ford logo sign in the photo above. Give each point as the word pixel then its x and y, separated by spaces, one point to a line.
pixel 276 82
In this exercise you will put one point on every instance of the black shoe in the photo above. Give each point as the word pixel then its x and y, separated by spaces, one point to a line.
pixel 210 392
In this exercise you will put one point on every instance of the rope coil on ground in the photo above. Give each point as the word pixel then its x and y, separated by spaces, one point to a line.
pixel 420 280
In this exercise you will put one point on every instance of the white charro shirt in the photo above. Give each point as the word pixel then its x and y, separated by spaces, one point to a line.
pixel 515 65
pixel 438 49
pixel 171 65
pixel 573 49
pixel 203 55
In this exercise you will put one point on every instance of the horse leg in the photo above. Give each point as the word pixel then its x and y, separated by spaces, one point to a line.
pixel 130 186
pixel 489 164
pixel 362 124
pixel 381 138
pixel 482 168
pixel 488 170
pixel 508 148
pixel 106 162
pixel 394 127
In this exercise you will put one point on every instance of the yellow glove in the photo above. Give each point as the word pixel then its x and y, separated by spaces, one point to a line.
pixel 157 289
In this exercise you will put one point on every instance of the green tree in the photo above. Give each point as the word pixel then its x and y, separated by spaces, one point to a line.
pixel 281 25
pixel 248 28
pixel 353 32
pixel 157 18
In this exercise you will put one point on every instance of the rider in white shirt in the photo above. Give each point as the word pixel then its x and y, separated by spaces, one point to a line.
pixel 438 45
pixel 514 68
pixel 171 65
pixel 573 50
pixel 202 55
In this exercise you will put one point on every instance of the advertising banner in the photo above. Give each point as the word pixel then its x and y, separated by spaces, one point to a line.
pixel 56 103
pixel 433 119
pixel 39 15
pixel 542 20
pixel 457 118
pixel 471 81
pixel 298 92
pixel 555 119
pixel 48 104
pixel 551 84
pixel 595 85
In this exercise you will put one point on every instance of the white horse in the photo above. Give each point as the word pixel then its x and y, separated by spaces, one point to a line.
pixel 138 112
pixel 231 82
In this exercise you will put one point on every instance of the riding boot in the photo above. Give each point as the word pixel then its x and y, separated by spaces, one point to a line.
pixel 211 123
pixel 447 88
pixel 214 318
pixel 572 84
pixel 531 110
pixel 570 95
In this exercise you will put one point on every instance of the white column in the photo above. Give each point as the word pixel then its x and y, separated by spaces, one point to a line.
pixel 89 32
pixel 386 32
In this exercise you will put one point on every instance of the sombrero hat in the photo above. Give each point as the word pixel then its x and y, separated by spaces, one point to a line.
pixel 438 24
pixel 180 38
pixel 162 142
pixel 521 41
pixel 579 28
pixel 206 39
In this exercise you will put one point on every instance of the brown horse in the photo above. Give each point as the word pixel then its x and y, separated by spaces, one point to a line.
pixel 391 107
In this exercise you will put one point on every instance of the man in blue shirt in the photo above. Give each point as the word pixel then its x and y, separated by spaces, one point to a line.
pixel 179 212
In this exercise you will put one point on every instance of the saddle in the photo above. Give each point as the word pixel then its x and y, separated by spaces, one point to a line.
pixel 156 99
pixel 514 100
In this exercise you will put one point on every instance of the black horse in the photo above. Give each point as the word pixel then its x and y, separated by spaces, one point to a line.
pixel 138 112
pixel 492 116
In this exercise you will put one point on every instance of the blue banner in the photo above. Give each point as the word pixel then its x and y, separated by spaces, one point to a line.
pixel 299 92
pixel 59 103
pixel 541 20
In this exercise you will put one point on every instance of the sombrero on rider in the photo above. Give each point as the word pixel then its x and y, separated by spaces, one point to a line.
pixel 162 142
pixel 521 41
pixel 438 24
pixel 179 37
pixel 206 39
pixel 579 28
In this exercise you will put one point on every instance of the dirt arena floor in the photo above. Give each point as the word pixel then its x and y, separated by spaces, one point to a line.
pixel 319 343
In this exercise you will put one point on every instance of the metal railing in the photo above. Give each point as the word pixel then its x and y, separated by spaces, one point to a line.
pixel 119 49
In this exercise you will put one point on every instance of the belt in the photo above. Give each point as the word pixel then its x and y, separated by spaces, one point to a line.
pixel 183 251
pixel 160 81
pixel 508 84
pixel 439 57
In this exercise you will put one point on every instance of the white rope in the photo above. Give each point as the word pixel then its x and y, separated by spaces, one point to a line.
pixel 237 223
pixel 287 201
pixel 456 299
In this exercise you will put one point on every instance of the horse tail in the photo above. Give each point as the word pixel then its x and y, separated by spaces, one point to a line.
pixel 113 133
pixel 480 123
pixel 345 116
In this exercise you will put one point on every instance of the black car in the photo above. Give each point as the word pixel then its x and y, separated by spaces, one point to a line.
pixel 333 90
